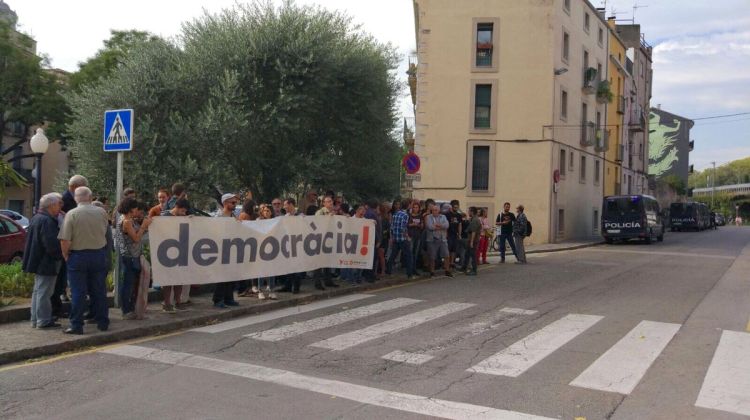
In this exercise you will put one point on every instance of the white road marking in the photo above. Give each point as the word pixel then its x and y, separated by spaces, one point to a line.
pixel 344 341
pixel 363 394
pixel 619 250
pixel 727 383
pixel 621 367
pixel 293 330
pixel 522 355
pixel 517 311
pixel 409 358
pixel 281 313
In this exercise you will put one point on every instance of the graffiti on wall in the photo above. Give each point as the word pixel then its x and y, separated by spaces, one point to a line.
pixel 663 136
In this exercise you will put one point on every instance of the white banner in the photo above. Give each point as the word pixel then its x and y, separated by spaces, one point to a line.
pixel 198 250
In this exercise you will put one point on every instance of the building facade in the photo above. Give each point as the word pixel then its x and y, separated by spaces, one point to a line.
pixel 619 80
pixel 507 110
pixel 635 162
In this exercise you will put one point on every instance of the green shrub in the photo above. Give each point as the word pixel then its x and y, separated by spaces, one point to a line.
pixel 14 282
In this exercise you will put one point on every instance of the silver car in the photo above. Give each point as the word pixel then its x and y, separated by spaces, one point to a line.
pixel 17 217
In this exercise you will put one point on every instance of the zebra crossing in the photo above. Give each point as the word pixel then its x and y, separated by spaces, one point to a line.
pixel 619 369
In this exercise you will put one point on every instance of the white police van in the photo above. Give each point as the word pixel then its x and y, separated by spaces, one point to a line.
pixel 627 217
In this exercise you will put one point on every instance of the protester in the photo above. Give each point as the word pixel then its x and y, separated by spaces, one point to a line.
pixel 224 292
pixel 400 240
pixel 291 281
pixel 83 239
pixel 371 213
pixel 276 205
pixel 505 221
pixel 415 227
pixel 248 210
pixel 519 233
pixel 42 256
pixel 129 233
pixel 474 231
pixel 437 225
pixel 484 238
pixel 178 191
pixel 61 282
pixel 455 218
pixel 180 208
pixel 325 273
pixel 162 197
pixel 266 213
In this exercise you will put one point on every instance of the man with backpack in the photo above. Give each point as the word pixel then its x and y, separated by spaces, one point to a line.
pixel 521 229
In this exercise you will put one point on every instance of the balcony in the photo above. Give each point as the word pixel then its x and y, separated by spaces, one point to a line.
pixel 590 81
pixel 484 54
pixel 621 101
pixel 637 121
pixel 588 134
pixel 602 140
pixel 620 152
pixel 408 132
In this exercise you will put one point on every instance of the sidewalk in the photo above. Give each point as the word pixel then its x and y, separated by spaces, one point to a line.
pixel 19 342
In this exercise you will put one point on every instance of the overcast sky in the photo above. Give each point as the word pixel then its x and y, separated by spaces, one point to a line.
pixel 701 48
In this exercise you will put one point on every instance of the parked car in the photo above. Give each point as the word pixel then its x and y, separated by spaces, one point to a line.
pixel 12 240
pixel 627 217
pixel 18 217
pixel 720 221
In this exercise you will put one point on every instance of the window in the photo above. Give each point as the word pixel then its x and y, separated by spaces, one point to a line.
pixel 10 227
pixel 586 21
pixel 640 151
pixel 583 168
pixel 560 222
pixel 584 113
pixel 566 47
pixel 480 172
pixel 599 74
pixel 566 5
pixel 482 106
pixel 585 60
pixel 597 169
pixel 570 162
pixel 595 221
pixel 601 37
pixel 484 44
pixel 564 105
pixel 562 162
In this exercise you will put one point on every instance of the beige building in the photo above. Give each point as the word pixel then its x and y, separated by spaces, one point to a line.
pixel 506 104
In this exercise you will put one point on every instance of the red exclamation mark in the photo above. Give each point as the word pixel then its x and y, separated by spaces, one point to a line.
pixel 365 240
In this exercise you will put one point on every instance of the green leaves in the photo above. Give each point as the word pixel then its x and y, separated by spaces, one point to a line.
pixel 270 99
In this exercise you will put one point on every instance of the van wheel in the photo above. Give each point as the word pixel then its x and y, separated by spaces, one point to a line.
pixel 660 238
pixel 609 241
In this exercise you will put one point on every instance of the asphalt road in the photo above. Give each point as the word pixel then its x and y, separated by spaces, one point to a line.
pixel 625 331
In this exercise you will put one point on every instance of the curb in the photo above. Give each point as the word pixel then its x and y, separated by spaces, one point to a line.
pixel 224 315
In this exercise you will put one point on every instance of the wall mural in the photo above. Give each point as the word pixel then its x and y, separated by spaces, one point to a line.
pixel 662 144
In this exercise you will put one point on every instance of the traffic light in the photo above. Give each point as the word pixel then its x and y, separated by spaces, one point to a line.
pixel 691 169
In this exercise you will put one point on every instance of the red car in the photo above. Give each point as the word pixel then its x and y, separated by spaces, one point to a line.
pixel 12 240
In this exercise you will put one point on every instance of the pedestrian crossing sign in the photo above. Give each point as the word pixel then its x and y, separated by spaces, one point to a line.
pixel 118 130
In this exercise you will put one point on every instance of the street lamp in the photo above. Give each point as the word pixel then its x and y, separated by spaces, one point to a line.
pixel 39 144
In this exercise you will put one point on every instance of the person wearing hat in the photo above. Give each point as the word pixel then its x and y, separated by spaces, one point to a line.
pixel 224 292
pixel 519 233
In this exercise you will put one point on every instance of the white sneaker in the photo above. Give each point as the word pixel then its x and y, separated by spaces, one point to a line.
pixel 261 296
pixel 255 289
pixel 272 296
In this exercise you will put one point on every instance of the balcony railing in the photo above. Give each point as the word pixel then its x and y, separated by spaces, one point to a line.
pixel 602 140
pixel 620 152
pixel 621 104
pixel 481 122
pixel 588 135
pixel 637 121
pixel 590 80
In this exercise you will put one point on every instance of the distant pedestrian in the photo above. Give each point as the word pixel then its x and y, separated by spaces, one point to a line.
pixel 178 191
pixel 276 205
pixel 400 240
pixel 437 239
pixel 43 256
pixel 416 227
pixel 224 292
pixel 162 197
pixel 325 275
pixel 520 227
pixel 291 281
pixel 61 282
pixel 181 293
pixel 129 233
pixel 504 222
pixel 83 239
pixel 473 231
pixel 266 213
pixel 481 254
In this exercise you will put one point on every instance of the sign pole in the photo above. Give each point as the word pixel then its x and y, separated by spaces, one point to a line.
pixel 118 196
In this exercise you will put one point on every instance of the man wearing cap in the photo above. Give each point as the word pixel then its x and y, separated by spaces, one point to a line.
pixel 224 292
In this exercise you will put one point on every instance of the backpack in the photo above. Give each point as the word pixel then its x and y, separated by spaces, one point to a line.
pixel 528 228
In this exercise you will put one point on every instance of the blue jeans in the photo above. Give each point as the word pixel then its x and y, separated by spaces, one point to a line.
pixel 131 270
pixel 41 305
pixel 405 248
pixel 87 275
pixel 501 239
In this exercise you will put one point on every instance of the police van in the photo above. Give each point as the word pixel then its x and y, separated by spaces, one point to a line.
pixel 627 217
pixel 689 216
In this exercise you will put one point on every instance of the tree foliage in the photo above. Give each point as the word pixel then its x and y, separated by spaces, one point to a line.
pixel 734 172
pixel 273 100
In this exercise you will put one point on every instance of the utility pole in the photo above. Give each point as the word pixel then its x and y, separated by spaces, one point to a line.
pixel 713 184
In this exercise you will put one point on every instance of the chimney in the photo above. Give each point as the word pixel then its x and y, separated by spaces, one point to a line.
pixel 601 11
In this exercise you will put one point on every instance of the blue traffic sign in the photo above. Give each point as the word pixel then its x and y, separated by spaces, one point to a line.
pixel 118 130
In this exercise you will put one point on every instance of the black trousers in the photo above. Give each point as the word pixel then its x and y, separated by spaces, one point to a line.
pixel 61 283
pixel 292 281
pixel 224 292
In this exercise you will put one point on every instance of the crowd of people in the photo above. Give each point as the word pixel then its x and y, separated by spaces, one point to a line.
pixel 73 238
